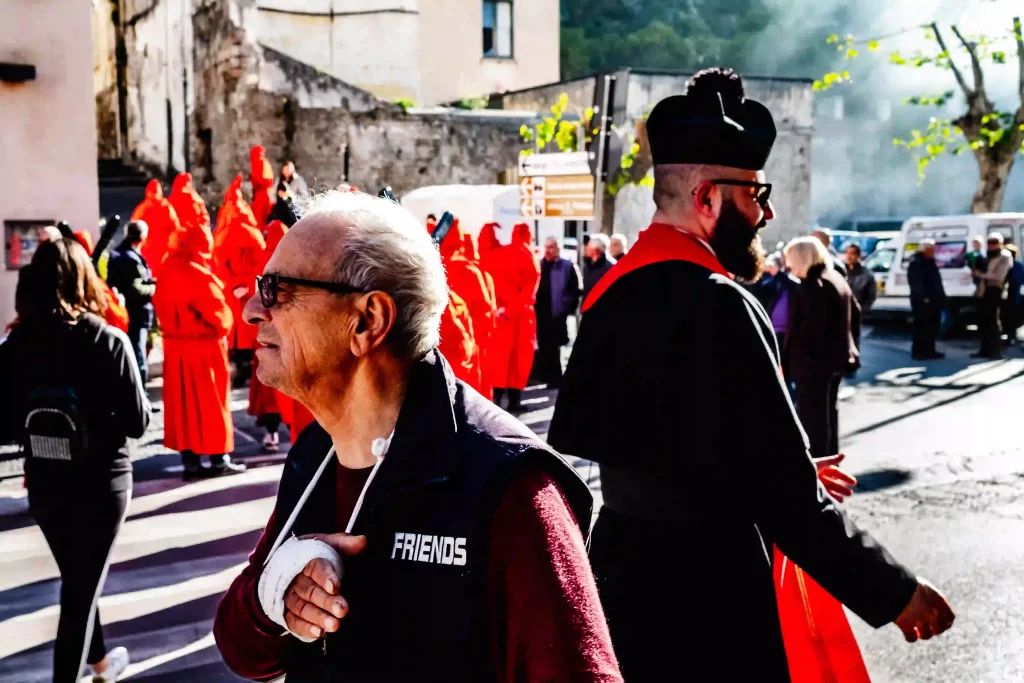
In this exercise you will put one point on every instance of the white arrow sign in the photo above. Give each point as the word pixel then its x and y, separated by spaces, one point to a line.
pixel 561 163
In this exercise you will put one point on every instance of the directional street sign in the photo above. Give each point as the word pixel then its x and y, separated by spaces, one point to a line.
pixel 569 197
pixel 560 163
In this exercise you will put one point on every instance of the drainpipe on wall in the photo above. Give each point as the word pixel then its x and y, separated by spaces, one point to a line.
pixel 121 77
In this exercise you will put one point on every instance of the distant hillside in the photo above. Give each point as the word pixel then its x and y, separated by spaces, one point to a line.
pixel 603 35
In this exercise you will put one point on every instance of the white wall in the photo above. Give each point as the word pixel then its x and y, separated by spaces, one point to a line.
pixel 163 40
pixel 48 143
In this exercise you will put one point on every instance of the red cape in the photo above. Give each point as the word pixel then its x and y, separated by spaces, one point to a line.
pixel 659 242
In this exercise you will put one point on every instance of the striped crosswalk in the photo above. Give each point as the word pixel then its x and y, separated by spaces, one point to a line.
pixel 179 549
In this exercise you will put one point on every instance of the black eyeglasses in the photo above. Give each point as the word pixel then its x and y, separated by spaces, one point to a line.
pixel 762 191
pixel 267 286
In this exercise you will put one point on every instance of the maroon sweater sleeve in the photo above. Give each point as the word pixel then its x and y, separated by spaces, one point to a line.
pixel 250 643
pixel 545 613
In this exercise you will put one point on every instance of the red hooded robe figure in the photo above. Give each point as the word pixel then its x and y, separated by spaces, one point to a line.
pixel 262 176
pixel 262 399
pixel 195 318
pixel 187 204
pixel 238 248
pixel 468 282
pixel 516 273
pixel 116 314
pixel 458 345
pixel 162 220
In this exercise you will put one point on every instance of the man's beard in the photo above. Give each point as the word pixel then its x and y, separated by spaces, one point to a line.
pixel 737 243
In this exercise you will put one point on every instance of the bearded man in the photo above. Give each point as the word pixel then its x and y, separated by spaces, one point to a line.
pixel 714 467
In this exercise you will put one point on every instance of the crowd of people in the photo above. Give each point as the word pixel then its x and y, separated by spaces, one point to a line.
pixel 413 515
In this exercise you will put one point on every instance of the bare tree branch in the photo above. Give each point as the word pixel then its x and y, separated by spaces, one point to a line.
pixel 972 50
pixel 952 65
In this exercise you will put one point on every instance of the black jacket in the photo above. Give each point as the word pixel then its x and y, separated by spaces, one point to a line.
pixel 821 317
pixel 453 455
pixel 700 394
pixel 129 273
pixel 95 360
pixel 593 271
pixel 925 280
pixel 284 211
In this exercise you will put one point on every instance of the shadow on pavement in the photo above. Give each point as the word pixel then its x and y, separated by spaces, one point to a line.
pixel 879 480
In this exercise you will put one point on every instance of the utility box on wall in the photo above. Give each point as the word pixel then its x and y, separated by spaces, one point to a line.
pixel 21 239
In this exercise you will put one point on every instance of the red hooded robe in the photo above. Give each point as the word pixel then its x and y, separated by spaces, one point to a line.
pixel 238 248
pixel 262 399
pixel 195 318
pixel 516 273
pixel 116 314
pixel 187 204
pixel 458 344
pixel 162 220
pixel 468 282
pixel 263 195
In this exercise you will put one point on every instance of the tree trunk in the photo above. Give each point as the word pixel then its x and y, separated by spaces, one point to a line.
pixel 994 169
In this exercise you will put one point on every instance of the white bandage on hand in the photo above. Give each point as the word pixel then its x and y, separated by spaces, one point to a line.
pixel 287 563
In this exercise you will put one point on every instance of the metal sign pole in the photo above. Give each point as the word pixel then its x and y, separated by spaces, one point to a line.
pixel 602 147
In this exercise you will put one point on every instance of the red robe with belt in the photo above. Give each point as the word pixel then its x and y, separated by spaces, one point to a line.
pixel 516 273
pixel 195 318
pixel 262 399
pixel 187 204
pixel 458 344
pixel 238 248
pixel 162 220
pixel 468 282
pixel 263 195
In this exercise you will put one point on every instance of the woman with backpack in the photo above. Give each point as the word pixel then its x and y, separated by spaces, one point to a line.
pixel 72 396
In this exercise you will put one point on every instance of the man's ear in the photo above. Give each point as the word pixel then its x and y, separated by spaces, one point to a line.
pixel 707 200
pixel 375 314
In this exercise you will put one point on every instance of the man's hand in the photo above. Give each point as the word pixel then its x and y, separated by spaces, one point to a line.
pixel 240 291
pixel 312 604
pixel 926 615
pixel 837 483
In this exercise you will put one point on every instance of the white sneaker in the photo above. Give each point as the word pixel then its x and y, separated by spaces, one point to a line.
pixel 271 442
pixel 117 662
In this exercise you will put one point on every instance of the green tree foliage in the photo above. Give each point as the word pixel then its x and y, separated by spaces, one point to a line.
pixel 605 35
pixel 992 135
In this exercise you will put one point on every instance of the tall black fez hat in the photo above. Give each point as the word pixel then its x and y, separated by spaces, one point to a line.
pixel 713 123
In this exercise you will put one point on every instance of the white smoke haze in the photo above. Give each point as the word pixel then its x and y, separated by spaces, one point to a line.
pixel 856 168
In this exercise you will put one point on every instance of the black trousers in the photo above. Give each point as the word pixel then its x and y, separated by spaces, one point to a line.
pixel 1009 314
pixel 988 324
pixel 927 319
pixel 551 336
pixel 139 337
pixel 80 532
pixel 817 404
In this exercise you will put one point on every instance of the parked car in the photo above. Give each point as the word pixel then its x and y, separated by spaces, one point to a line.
pixel 888 224
pixel 867 241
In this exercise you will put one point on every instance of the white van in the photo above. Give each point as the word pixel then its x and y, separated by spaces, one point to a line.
pixel 952 235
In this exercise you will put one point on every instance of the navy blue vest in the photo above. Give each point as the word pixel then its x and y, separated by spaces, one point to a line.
pixel 417 594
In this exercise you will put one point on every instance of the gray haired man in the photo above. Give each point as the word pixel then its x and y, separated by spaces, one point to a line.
pixel 431 498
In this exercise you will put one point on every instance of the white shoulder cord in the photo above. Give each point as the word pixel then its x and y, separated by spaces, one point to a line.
pixel 379 448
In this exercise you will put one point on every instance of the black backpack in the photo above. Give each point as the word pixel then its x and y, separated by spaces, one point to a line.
pixel 55 426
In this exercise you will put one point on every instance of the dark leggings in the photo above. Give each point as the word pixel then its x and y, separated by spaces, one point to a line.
pixel 817 398
pixel 80 532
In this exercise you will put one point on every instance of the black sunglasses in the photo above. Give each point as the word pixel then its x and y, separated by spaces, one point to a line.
pixel 267 286
pixel 763 191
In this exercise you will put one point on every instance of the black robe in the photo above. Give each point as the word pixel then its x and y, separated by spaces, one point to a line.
pixel 710 470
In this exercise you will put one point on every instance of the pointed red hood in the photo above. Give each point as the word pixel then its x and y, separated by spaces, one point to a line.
pixel 154 190
pixel 488 241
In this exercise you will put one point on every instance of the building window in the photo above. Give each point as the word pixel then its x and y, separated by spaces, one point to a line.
pixel 497 28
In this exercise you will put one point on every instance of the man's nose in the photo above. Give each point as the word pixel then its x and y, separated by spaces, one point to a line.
pixel 253 312
pixel 769 211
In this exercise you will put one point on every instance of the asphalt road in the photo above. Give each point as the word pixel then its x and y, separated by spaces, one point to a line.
pixel 936 447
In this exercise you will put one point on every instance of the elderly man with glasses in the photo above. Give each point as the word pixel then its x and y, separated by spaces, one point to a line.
pixel 420 532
